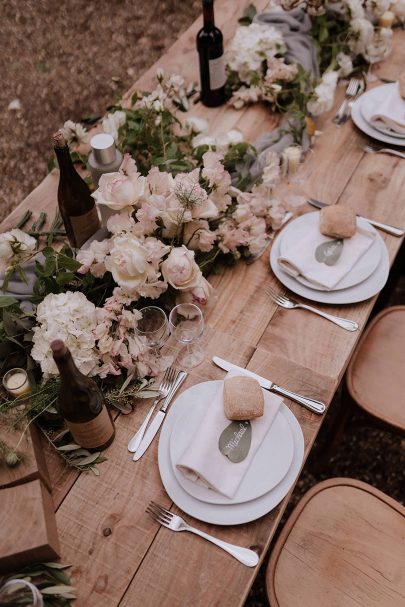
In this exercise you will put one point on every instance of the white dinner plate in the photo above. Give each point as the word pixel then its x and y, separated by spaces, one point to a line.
pixel 271 462
pixel 369 104
pixel 364 290
pixel 360 271
pixel 224 514
pixel 364 126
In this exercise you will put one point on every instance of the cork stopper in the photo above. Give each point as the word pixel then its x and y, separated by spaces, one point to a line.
pixel 58 140
pixel 58 348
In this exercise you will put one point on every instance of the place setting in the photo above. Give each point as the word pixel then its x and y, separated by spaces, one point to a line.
pixel 380 113
pixel 330 256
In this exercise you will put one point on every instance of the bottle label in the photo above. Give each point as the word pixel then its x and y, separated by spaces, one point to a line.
pixel 84 226
pixel 217 72
pixel 94 433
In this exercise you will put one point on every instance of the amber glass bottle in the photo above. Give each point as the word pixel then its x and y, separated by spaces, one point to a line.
pixel 212 61
pixel 76 205
pixel 81 403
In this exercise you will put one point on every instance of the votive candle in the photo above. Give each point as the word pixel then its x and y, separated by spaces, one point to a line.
pixel 386 19
pixel 16 382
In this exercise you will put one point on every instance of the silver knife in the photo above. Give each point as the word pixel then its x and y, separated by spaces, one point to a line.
pixel 316 406
pixel 159 417
pixel 377 224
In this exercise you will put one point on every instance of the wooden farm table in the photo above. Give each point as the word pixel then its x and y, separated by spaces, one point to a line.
pixel 119 555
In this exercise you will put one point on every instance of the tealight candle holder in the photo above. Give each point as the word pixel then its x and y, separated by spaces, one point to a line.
pixel 16 382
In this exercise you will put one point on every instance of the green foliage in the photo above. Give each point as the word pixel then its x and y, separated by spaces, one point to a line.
pixel 50 579
pixel 248 14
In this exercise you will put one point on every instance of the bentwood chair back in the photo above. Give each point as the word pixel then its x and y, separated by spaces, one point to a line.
pixel 343 546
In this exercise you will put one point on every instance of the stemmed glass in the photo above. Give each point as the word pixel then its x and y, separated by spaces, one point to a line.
pixel 377 49
pixel 187 325
pixel 154 326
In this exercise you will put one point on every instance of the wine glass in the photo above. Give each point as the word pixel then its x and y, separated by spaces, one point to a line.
pixel 187 325
pixel 377 49
pixel 154 326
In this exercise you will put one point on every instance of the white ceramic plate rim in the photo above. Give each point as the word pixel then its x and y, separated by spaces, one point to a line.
pixel 222 514
pixel 364 126
pixel 363 268
pixel 370 98
pixel 269 466
pixel 364 290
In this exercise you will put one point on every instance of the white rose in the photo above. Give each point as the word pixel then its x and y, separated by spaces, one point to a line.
pixel 198 295
pixel 128 262
pixel 122 189
pixel 324 94
pixel 180 269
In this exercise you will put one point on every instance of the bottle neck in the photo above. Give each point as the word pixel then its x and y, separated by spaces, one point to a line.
pixel 67 367
pixel 208 14
pixel 64 158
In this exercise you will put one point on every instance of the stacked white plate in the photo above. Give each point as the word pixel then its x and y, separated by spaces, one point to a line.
pixel 365 279
pixel 367 105
pixel 271 475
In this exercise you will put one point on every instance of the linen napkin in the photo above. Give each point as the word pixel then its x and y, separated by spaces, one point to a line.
pixel 203 462
pixel 325 266
pixel 390 113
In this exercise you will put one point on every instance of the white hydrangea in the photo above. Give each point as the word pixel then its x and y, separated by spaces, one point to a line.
pixel 71 317
pixel 324 94
pixel 251 46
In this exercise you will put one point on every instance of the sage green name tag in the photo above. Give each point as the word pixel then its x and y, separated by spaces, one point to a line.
pixel 329 252
pixel 235 441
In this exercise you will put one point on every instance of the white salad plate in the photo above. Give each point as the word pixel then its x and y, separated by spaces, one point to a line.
pixel 369 106
pixel 367 128
pixel 223 514
pixel 270 464
pixel 359 292
pixel 310 222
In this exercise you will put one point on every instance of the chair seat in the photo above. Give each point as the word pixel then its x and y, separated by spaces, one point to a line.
pixel 376 374
pixel 343 546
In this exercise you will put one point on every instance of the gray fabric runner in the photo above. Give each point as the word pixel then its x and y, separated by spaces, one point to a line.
pixel 296 29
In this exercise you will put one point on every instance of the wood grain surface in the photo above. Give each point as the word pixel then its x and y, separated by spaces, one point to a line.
pixel 119 555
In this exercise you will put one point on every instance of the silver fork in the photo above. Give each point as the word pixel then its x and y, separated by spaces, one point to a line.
pixel 164 389
pixel 176 523
pixel 376 149
pixel 351 92
pixel 285 302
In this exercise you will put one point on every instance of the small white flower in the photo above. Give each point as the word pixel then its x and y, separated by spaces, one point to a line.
pixel 74 132
pixel 345 64
pixel 361 33
pixel 324 94
pixel 194 124
pixel 112 122
pixel 15 247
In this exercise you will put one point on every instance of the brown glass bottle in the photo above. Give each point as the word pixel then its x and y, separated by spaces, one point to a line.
pixel 76 204
pixel 212 61
pixel 81 403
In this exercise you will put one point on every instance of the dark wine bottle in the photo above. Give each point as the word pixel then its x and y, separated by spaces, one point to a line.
pixel 76 204
pixel 81 403
pixel 212 61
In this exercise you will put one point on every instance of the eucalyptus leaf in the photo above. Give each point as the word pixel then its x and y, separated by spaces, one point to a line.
pixel 58 590
pixel 95 470
pixel 70 447
pixel 52 565
pixel 87 460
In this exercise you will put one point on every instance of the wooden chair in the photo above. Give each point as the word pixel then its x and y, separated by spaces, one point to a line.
pixel 375 377
pixel 343 546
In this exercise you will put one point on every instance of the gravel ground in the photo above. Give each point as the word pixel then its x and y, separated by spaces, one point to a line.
pixel 66 59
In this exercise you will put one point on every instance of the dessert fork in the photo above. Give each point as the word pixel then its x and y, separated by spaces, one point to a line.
pixel 164 389
pixel 285 302
pixel 376 149
pixel 351 92
pixel 176 523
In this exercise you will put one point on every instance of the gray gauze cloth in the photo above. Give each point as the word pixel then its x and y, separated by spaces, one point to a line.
pixel 295 26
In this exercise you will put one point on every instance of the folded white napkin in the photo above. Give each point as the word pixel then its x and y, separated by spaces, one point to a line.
pixel 300 260
pixel 203 462
pixel 390 112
